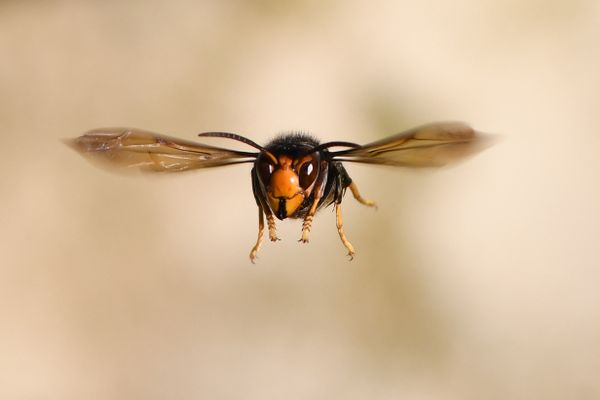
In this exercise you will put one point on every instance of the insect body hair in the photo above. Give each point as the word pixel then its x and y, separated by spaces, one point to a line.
pixel 292 143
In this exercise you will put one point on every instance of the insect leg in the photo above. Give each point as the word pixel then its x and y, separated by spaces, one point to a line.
pixel 359 198
pixel 259 239
pixel 340 228
pixel 272 229
pixel 306 225
pixel 346 182
pixel 263 206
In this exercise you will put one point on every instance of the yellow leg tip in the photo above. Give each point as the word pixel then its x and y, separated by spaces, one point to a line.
pixel 304 238
pixel 253 256
pixel 359 198
pixel 370 203
pixel 273 234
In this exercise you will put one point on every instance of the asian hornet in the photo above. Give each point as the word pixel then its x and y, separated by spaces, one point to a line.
pixel 294 175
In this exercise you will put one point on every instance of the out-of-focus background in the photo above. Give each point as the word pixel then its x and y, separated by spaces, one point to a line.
pixel 478 281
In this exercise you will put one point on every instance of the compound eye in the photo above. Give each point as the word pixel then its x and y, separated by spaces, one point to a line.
pixel 265 169
pixel 308 172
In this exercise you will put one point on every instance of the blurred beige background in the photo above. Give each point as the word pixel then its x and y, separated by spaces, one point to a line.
pixel 474 282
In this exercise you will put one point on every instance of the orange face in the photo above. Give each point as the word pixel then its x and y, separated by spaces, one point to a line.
pixel 289 182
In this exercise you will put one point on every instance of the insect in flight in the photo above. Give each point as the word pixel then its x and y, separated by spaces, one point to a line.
pixel 293 176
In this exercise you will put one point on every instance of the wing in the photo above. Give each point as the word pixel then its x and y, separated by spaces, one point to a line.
pixel 430 145
pixel 148 151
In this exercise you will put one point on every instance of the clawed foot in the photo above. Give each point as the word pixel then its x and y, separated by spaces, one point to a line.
pixel 306 229
pixel 304 238
pixel 272 230
pixel 253 256
pixel 370 203
pixel 273 236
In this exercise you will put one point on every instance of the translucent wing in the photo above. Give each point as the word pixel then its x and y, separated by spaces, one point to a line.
pixel 430 145
pixel 148 151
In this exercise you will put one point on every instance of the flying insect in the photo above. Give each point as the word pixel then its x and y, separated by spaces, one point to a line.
pixel 294 175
